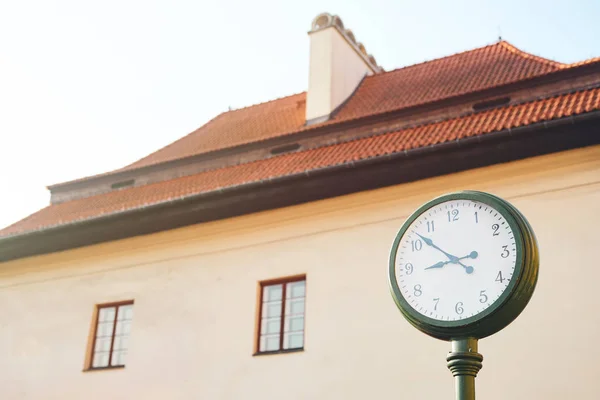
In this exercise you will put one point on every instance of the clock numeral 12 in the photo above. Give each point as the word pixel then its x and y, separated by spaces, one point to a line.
pixel 453 216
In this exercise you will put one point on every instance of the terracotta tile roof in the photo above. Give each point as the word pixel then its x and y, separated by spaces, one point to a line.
pixel 474 124
pixel 467 72
pixel 235 127
pixel 483 68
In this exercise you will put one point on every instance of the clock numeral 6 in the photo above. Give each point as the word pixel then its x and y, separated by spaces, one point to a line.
pixel 409 268
pixel 459 308
pixel 418 291
pixel 483 297
pixel 416 245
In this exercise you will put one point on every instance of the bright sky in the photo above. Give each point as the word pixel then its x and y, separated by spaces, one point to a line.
pixel 90 86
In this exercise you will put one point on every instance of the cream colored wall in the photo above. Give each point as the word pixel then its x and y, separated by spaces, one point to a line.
pixel 335 70
pixel 195 291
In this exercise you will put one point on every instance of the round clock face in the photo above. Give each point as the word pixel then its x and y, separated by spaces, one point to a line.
pixel 455 260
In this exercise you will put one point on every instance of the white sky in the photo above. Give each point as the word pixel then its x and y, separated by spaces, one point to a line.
pixel 90 86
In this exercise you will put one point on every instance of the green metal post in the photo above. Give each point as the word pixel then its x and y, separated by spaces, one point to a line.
pixel 464 362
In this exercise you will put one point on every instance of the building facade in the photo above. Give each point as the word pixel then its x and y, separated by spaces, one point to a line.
pixel 249 259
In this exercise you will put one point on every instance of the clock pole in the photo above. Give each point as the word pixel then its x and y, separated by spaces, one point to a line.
pixel 464 362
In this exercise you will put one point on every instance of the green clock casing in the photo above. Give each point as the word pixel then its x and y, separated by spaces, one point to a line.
pixel 476 295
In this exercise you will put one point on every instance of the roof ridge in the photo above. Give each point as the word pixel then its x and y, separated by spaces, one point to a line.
pixel 262 103
pixel 584 62
pixel 436 59
pixel 515 50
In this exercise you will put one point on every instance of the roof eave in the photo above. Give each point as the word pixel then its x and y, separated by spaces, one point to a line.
pixel 396 168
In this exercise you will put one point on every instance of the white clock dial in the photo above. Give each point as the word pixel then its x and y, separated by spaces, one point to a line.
pixel 455 260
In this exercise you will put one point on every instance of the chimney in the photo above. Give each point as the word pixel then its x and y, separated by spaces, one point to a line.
pixel 338 63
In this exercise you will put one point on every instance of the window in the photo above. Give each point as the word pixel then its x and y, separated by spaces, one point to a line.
pixel 111 335
pixel 281 298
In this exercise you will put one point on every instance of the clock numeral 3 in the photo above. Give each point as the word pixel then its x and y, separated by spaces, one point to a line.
pixel 505 253
pixel 416 245
pixel 495 228
pixel 483 297
pixel 459 308
pixel 437 300
pixel 453 215
pixel 418 290
pixel 499 277
pixel 409 268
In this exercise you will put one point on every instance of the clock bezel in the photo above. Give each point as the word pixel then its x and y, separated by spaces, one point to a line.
pixel 510 303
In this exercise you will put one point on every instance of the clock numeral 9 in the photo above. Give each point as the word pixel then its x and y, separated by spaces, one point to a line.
pixel 495 228
pixel 409 268
pixel 418 291
pixel 453 215
pixel 505 253
pixel 416 245
pixel 459 308
pixel 483 297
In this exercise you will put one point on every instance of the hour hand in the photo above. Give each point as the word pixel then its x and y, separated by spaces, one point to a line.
pixel 438 265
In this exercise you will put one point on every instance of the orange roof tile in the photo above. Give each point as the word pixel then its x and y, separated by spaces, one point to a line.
pixel 482 68
pixel 474 124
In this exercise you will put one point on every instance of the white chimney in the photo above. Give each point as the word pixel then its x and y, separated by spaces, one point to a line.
pixel 337 65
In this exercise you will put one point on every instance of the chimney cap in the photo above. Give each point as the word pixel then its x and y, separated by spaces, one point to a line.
pixel 326 20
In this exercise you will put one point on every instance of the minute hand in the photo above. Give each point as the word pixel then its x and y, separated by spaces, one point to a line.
pixel 429 242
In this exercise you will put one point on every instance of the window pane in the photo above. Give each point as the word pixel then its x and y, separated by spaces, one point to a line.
pixel 121 343
pixel 106 314
pixel 270 326
pixel 102 344
pixel 104 329
pixel 295 289
pixel 269 343
pixel 294 307
pixel 273 292
pixel 125 312
pixel 100 360
pixel 272 309
pixel 123 328
pixel 294 324
pixel 118 358
pixel 293 340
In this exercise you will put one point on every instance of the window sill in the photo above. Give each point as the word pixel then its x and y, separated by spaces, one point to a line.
pixel 103 368
pixel 268 353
